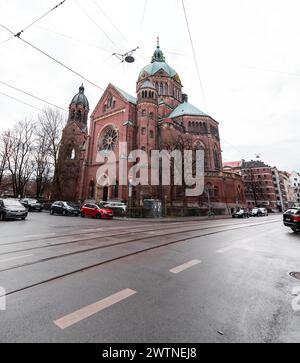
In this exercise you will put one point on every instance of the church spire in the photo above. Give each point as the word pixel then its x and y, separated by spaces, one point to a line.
pixel 158 55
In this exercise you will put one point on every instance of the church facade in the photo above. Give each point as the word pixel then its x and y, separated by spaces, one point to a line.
pixel 159 117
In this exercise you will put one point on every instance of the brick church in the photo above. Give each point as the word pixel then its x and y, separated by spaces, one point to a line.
pixel 159 117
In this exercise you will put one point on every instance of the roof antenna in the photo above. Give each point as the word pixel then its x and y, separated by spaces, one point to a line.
pixel 126 57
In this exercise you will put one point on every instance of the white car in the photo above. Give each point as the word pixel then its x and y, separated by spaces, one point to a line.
pixel 259 212
pixel 112 205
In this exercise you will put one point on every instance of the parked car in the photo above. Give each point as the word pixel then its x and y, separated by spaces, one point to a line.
pixel 96 211
pixel 12 209
pixel 32 204
pixel 241 213
pixel 291 218
pixel 65 209
pixel 259 212
pixel 115 204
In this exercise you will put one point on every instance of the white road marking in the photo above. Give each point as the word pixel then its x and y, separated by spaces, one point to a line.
pixel 185 266
pixel 92 309
pixel 14 258
pixel 225 249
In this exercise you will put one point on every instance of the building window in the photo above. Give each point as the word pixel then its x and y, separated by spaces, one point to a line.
pixel 151 116
pixel 161 89
pixel 217 159
pixel 144 113
pixel 92 190
pixel 151 134
pixel 144 130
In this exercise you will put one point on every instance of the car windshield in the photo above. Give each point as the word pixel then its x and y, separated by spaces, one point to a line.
pixel 100 205
pixel 12 203
pixel 32 200
pixel 72 205
pixel 293 211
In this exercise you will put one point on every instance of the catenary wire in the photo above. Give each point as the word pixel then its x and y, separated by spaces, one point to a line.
pixel 194 53
pixel 31 95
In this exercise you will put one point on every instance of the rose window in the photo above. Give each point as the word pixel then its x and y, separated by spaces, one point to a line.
pixel 109 139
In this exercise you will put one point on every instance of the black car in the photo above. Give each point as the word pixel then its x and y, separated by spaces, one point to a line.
pixel 12 209
pixel 32 204
pixel 291 218
pixel 242 213
pixel 65 209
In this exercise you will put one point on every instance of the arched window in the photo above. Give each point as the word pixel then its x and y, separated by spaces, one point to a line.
pixel 200 146
pixel 144 113
pixel 73 154
pixel 161 89
pixel 72 114
pixel 166 89
pixel 78 115
pixel 216 192
pixel 217 159
pixel 151 134
pixel 92 190
pixel 151 116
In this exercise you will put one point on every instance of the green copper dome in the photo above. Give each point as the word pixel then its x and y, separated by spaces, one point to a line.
pixel 158 63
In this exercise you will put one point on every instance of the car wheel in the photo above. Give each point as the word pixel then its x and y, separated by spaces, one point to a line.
pixel 64 213
pixel 51 212
pixel 2 217
pixel 98 216
pixel 295 230
pixel 82 215
pixel 40 210
pixel 23 218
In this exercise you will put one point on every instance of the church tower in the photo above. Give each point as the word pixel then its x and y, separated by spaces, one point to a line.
pixel 68 175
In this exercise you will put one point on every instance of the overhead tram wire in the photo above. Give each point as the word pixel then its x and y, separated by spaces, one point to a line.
pixel 97 25
pixel 194 53
pixel 198 69
pixel 34 22
pixel 24 103
pixel 111 22
pixel 31 95
pixel 55 60
pixel 74 39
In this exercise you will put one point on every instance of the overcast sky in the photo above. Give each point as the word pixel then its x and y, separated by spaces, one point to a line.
pixel 247 51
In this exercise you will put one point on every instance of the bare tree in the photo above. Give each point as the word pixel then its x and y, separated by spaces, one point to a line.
pixel 4 152
pixel 43 171
pixel 20 161
pixel 50 124
pixel 254 187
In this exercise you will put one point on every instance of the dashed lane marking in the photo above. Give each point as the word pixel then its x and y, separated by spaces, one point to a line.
pixel 92 309
pixel 185 266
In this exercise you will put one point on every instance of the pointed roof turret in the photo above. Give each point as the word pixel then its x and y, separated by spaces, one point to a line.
pixel 158 55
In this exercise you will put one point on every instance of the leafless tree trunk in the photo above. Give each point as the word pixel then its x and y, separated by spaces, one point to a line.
pixel 50 124
pixel 20 162
pixel 4 152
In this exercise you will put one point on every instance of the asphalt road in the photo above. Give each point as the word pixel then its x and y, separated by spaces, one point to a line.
pixel 82 280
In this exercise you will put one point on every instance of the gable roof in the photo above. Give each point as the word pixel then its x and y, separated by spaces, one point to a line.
pixel 186 109
pixel 126 95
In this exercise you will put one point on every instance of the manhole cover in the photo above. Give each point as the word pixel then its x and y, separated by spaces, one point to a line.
pixel 296 275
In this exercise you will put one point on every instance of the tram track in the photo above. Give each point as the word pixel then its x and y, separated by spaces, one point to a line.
pixel 122 234
pixel 127 255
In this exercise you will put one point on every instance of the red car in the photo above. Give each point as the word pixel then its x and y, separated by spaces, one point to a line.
pixel 96 211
